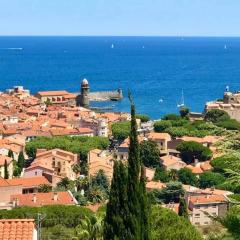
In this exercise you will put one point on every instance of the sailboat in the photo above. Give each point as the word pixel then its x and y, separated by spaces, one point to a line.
pixel 112 46
pixel 182 101
pixel 225 47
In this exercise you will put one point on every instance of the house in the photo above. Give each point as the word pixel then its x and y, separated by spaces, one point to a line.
pixel 6 190
pixel 155 185
pixel 149 173
pixel 53 162
pixel 200 167
pixel 122 151
pixel 100 160
pixel 18 229
pixel 161 139
pixel 28 185
pixel 42 199
pixel 171 162
pixel 9 162
pixel 55 97
pixel 202 206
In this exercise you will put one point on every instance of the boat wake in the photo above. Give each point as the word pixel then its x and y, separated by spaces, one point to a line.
pixel 11 48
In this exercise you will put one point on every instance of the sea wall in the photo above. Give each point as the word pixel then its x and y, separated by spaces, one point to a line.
pixel 106 95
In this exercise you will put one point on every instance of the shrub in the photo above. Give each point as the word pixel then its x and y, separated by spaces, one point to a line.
pixel 171 116
pixel 230 124
pixel 216 115
pixel 184 111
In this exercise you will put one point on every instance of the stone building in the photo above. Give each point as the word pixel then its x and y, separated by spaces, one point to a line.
pixel 230 104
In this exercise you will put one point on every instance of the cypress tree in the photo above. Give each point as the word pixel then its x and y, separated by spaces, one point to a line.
pixel 6 174
pixel 145 208
pixel 21 161
pixel 115 220
pixel 127 209
pixel 183 208
pixel 133 184
pixel 10 154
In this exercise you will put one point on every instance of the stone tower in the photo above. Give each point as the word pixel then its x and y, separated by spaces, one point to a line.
pixel 83 98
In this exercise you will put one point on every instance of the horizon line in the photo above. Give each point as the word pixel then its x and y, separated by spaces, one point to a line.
pixel 163 36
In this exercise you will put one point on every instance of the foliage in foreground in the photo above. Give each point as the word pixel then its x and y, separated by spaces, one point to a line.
pixel 167 225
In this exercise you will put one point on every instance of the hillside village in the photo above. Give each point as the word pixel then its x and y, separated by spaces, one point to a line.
pixel 53 153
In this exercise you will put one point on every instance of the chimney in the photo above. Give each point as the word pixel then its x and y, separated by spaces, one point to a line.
pixel 34 198
pixel 55 196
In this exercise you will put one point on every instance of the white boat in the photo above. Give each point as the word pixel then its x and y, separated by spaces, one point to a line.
pixel 112 46
pixel 181 104
pixel 160 100
pixel 225 46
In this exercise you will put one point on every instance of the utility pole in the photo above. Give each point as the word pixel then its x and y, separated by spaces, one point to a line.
pixel 40 218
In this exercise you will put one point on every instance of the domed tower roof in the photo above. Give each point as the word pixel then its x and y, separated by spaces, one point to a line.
pixel 84 82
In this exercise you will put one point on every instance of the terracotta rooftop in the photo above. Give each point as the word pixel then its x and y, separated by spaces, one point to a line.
pixel 53 93
pixel 207 199
pixel 27 182
pixel 159 136
pixel 40 199
pixel 155 185
pixel 17 229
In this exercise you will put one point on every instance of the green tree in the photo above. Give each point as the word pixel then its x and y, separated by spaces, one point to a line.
pixel 143 117
pixel 6 173
pixel 21 161
pixel 167 225
pixel 184 111
pixel 191 150
pixel 136 223
pixel 173 175
pixel 216 115
pixel 44 188
pixel 171 193
pixel 149 153
pixel 121 130
pixel 101 181
pixel 10 154
pixel 96 195
pixel 186 176
pixel 161 174
pixel 90 228
pixel 115 220
pixel 210 179
pixel 162 126
pixel 183 211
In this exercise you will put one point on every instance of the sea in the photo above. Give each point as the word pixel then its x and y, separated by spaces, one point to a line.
pixel 159 71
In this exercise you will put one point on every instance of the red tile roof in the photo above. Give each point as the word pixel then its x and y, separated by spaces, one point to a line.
pixel 207 199
pixel 40 199
pixel 17 229
pixel 27 182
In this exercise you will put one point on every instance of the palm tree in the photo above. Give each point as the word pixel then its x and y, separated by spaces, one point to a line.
pixel 90 228
pixel 96 195
pixel 82 183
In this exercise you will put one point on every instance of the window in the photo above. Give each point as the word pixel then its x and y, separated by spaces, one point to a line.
pixel 205 223
pixel 35 173
pixel 197 215
pixel 197 223
pixel 214 206
pixel 197 207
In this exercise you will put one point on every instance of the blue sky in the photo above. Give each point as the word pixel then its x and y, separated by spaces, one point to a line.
pixel 120 17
